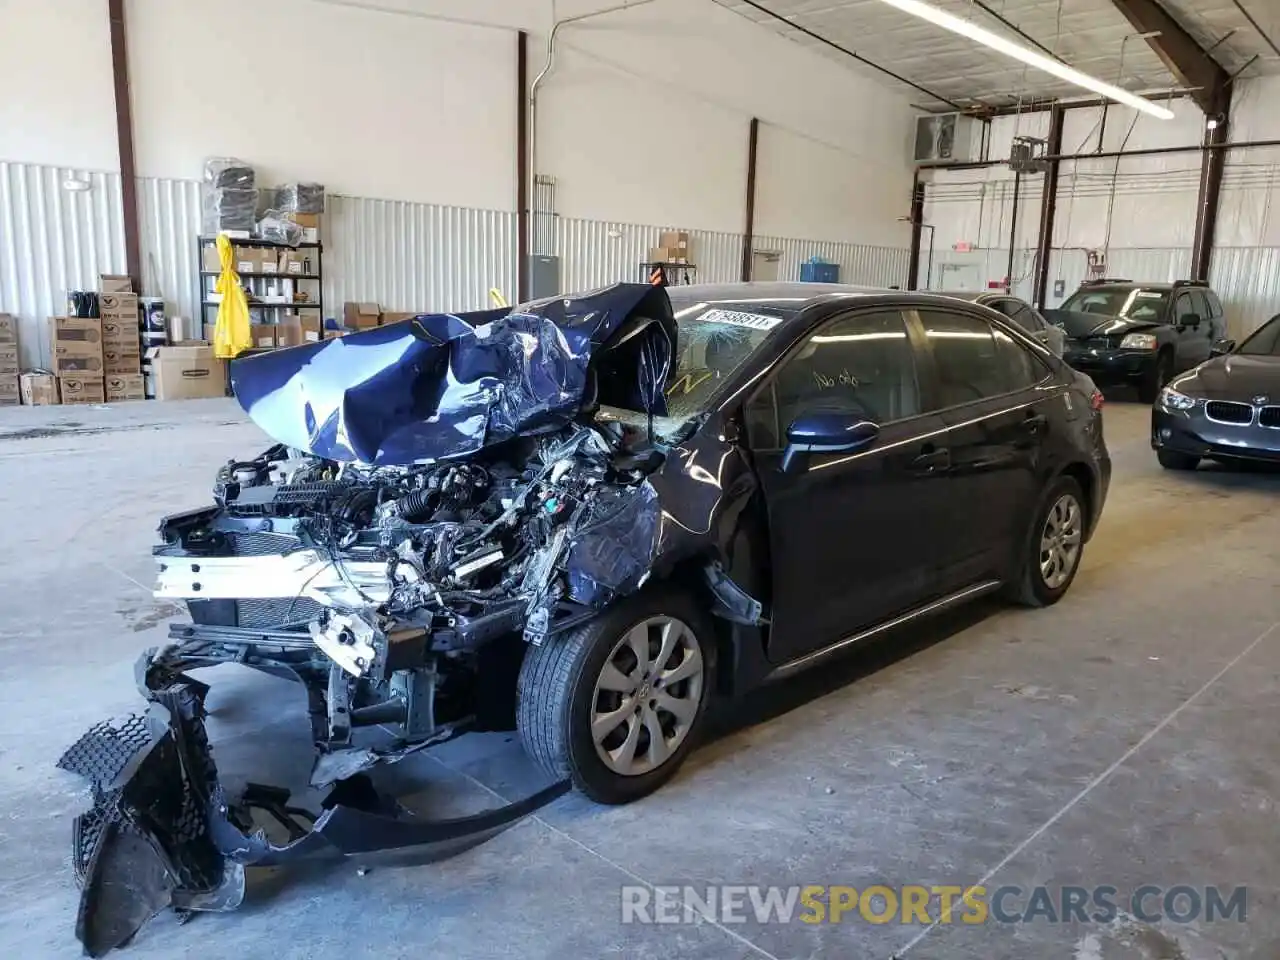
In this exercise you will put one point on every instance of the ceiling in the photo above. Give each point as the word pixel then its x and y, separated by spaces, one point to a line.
pixel 1090 35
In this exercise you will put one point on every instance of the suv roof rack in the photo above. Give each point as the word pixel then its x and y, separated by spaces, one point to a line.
pixel 1191 283
pixel 1090 283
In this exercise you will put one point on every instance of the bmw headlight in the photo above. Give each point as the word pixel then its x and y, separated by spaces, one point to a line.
pixel 1139 341
pixel 1171 400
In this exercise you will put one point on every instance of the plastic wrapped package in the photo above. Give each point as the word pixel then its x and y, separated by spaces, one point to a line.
pixel 226 208
pixel 300 198
pixel 275 228
pixel 228 173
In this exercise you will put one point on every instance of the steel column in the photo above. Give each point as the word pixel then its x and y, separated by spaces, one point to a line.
pixel 917 222
pixel 1048 207
pixel 1013 230
pixel 522 167
pixel 124 143
pixel 1212 166
pixel 748 233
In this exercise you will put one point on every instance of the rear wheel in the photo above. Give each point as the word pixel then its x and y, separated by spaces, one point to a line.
pixel 1054 549
pixel 1173 460
pixel 1160 374
pixel 615 705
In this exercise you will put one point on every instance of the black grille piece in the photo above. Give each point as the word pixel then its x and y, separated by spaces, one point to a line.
pixel 1269 416
pixel 1229 411
pixel 261 544
pixel 103 752
pixel 275 614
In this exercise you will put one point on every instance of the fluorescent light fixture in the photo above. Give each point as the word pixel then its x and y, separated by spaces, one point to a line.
pixel 1029 57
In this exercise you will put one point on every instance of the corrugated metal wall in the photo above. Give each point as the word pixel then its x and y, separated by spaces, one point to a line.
pixel 169 222
pixel 859 263
pixel 53 240
pixel 1248 281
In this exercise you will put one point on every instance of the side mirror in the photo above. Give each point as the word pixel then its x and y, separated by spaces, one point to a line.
pixel 1221 348
pixel 1189 320
pixel 813 433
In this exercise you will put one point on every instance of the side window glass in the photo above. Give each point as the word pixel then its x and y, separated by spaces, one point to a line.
pixel 1215 305
pixel 1028 319
pixel 1200 304
pixel 862 365
pixel 1183 306
pixel 974 361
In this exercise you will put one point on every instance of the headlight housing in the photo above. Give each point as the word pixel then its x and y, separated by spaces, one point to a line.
pixel 1139 341
pixel 1171 400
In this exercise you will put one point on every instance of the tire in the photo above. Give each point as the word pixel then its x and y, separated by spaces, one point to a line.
pixel 564 689
pixel 1173 460
pixel 1160 374
pixel 1031 586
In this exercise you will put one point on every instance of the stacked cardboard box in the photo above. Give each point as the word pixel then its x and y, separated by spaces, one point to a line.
pixel 39 388
pixel 361 316
pixel 9 385
pixel 673 248
pixel 186 371
pixel 121 344
pixel 77 358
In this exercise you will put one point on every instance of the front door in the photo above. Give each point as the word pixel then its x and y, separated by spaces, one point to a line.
pixel 851 534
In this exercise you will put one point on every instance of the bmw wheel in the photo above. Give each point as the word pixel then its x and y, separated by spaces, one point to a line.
pixel 1055 547
pixel 616 703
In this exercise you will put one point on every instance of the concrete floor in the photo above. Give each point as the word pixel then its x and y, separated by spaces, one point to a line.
pixel 1130 735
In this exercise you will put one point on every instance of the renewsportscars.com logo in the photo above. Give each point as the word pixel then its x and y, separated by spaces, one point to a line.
pixel 914 904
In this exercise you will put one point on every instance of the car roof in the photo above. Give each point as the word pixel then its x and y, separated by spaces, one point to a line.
pixel 976 296
pixel 1127 285
pixel 789 299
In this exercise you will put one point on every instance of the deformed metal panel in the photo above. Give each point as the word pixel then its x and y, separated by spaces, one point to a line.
pixel 1247 279
pixel 416 256
pixel 53 240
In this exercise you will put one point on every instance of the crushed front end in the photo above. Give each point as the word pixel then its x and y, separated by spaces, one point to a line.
pixel 399 591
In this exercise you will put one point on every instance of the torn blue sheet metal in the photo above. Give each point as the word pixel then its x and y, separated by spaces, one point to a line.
pixel 442 386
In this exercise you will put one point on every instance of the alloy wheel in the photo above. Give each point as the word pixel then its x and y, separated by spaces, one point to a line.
pixel 1060 541
pixel 647 695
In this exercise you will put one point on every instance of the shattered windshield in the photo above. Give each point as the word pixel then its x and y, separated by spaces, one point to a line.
pixel 714 343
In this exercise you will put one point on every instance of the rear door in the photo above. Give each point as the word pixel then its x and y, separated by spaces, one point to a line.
pixel 852 536
pixel 1217 321
pixel 993 394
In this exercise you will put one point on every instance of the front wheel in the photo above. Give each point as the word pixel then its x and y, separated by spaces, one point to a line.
pixel 1054 549
pixel 616 703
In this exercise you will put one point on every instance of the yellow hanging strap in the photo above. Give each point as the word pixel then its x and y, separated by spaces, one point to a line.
pixel 231 334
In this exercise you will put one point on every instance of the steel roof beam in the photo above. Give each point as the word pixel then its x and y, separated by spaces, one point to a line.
pixel 1195 69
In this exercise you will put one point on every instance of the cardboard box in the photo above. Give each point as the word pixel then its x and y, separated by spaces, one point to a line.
pixel 263 335
pixel 675 240
pixel 8 328
pixel 360 316
pixel 186 372
pixel 390 318
pixel 81 388
pixel 294 262
pixel 39 389
pixel 121 307
pixel 119 331
pixel 125 386
pixel 312 328
pixel 246 260
pixel 8 359
pixel 77 344
pixel 10 390
pixel 289 330
pixel 121 360
pixel 310 224
pixel 114 283
pixel 209 259
pixel 268 259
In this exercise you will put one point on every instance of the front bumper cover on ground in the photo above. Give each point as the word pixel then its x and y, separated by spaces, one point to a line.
pixel 162 831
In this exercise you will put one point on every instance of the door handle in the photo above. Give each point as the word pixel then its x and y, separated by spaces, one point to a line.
pixel 931 460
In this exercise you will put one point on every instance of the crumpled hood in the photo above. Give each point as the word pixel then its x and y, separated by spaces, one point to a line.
pixel 1078 324
pixel 442 386
pixel 1233 377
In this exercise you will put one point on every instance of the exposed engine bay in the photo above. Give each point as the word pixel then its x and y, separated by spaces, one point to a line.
pixel 456 499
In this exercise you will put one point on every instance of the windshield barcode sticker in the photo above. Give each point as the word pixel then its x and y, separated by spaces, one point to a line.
pixel 733 318
pixel 1149 294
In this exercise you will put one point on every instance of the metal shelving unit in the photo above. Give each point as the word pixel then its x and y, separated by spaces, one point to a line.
pixel 255 282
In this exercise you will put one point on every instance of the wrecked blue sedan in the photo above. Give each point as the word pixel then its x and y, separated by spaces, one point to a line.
pixel 576 520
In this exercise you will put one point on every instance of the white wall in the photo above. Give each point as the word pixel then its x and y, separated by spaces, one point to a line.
pixel 369 103
pixel 57 104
